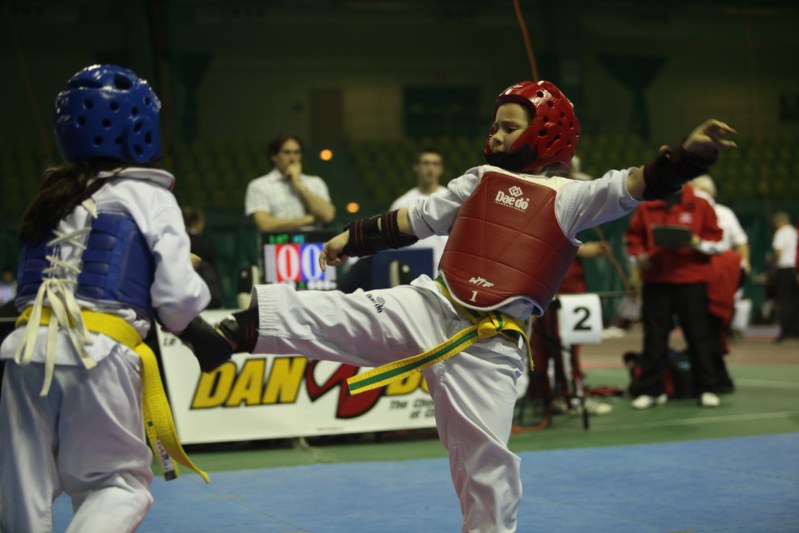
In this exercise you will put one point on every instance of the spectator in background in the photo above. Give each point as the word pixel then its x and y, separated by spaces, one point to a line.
pixel 733 235
pixel 194 219
pixel 8 285
pixel 285 199
pixel 784 245
pixel 428 165
pixel 674 284
pixel 8 311
pixel 575 171
pixel 548 348
pixel 730 263
pixel 546 342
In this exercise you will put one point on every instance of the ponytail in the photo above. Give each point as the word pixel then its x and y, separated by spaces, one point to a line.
pixel 63 189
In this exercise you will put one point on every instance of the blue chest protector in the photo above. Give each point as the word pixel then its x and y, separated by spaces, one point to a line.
pixel 117 269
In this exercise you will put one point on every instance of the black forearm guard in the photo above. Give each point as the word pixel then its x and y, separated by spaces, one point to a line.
pixel 666 173
pixel 371 235
pixel 209 347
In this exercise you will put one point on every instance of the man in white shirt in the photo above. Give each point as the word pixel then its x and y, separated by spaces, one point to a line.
pixel 784 246
pixel 285 199
pixel 734 237
pixel 8 285
pixel 729 310
pixel 428 166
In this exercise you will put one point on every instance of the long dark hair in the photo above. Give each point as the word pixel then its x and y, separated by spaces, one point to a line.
pixel 63 189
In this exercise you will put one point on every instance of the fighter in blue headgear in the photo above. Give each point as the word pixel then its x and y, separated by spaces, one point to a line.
pixel 106 111
pixel 104 252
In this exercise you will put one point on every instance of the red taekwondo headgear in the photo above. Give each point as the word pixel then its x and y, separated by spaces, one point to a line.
pixel 553 132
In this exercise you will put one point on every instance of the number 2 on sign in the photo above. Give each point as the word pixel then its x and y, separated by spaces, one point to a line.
pixel 580 318
pixel 582 323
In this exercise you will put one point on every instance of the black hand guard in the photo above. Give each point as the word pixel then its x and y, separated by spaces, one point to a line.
pixel 666 173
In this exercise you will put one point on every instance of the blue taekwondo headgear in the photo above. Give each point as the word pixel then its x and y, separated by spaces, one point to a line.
pixel 108 111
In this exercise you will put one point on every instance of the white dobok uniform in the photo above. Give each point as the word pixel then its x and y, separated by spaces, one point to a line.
pixel 474 392
pixel 86 436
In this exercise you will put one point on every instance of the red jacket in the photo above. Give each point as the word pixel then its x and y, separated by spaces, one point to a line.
pixel 574 282
pixel 669 265
pixel 723 284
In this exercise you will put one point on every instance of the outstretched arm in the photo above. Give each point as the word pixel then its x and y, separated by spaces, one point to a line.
pixel 692 158
pixel 367 236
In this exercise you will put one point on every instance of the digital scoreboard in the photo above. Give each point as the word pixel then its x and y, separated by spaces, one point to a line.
pixel 293 258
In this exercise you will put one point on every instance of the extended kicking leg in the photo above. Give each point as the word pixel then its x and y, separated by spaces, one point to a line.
pixel 213 345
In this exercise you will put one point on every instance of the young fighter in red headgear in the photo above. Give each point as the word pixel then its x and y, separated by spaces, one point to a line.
pixel 511 238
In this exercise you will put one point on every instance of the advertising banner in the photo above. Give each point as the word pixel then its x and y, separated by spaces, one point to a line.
pixel 264 396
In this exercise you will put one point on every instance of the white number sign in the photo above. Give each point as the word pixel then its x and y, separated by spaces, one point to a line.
pixel 580 319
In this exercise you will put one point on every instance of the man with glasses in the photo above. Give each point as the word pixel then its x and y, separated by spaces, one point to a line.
pixel 285 199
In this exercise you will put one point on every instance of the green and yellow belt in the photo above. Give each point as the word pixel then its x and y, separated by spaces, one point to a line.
pixel 485 324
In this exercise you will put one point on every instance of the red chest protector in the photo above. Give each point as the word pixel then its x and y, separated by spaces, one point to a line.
pixel 506 244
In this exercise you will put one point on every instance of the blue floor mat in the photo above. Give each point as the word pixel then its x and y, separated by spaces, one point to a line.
pixel 744 484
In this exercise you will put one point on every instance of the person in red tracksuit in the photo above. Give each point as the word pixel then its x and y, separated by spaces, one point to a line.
pixel 674 284
pixel 545 340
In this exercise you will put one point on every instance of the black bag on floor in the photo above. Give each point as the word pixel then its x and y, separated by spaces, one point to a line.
pixel 677 379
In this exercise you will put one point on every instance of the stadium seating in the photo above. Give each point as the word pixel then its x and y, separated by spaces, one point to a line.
pixel 213 175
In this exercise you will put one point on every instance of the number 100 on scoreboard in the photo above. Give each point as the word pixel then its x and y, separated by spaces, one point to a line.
pixel 297 264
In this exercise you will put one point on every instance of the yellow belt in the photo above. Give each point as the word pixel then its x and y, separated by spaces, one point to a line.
pixel 484 325
pixel 158 422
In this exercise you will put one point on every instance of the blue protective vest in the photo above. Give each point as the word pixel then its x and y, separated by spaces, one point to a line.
pixel 117 269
